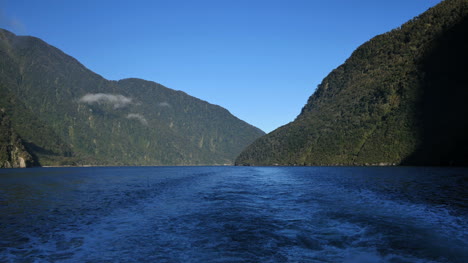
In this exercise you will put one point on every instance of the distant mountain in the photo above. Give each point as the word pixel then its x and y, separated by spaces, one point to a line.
pixel 64 114
pixel 401 98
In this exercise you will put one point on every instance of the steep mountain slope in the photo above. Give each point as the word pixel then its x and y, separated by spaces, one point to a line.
pixel 12 150
pixel 66 114
pixel 399 99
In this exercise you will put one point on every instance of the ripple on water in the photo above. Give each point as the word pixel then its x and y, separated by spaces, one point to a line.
pixel 233 215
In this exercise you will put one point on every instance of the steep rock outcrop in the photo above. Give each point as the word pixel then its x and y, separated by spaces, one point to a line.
pixel 13 153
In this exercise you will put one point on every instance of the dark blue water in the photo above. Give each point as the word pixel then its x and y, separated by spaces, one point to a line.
pixel 234 214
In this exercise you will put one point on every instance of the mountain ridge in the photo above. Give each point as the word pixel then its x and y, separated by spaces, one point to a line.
pixel 68 115
pixel 376 107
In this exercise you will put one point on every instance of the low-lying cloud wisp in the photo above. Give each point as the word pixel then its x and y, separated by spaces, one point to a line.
pixel 164 104
pixel 138 117
pixel 116 100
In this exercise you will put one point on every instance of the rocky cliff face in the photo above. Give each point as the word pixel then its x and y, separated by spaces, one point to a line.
pixel 13 153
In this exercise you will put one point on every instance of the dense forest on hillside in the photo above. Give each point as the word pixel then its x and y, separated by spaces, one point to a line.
pixel 399 99
pixel 64 114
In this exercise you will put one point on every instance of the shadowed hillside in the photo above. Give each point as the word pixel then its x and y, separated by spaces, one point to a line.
pixel 399 99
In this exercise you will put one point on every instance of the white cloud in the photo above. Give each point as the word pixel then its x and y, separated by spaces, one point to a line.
pixel 138 117
pixel 117 100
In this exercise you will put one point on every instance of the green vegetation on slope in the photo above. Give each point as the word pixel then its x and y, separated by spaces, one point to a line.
pixel 68 115
pixel 399 99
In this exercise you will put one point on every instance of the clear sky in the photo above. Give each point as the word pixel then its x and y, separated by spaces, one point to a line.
pixel 260 59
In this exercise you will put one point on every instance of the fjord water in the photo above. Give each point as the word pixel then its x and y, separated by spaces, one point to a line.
pixel 234 214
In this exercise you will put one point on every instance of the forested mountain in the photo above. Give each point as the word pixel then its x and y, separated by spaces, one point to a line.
pixel 401 98
pixel 64 114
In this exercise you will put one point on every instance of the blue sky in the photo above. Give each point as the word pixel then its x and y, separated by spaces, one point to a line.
pixel 260 59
